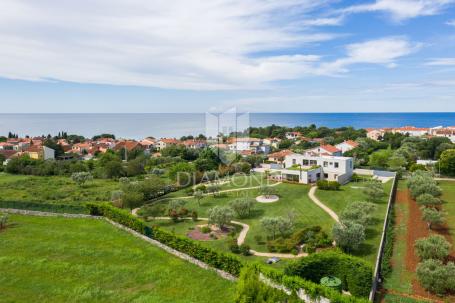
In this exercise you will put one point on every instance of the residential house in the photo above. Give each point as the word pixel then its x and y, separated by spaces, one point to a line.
pixel 194 143
pixel 292 135
pixel 411 131
pixel 273 142
pixel 166 142
pixel 347 146
pixel 40 152
pixel 279 156
pixel 374 134
pixel 309 169
pixel 254 145
pixel 324 150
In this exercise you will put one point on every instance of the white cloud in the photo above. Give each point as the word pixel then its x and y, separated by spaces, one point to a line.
pixel 186 44
pixel 402 9
pixel 324 21
pixel 441 62
pixel 451 22
pixel 380 51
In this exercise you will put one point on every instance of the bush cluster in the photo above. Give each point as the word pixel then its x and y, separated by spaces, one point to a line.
pixel 328 185
pixel 354 272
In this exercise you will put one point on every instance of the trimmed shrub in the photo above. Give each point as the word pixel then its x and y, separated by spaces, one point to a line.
pixel 355 273
pixel 328 185
pixel 433 247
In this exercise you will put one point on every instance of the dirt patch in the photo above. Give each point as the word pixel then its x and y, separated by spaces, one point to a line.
pixel 214 234
pixel 416 229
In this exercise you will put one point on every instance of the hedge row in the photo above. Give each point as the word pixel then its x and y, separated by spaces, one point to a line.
pixel 213 258
pixel 386 262
pixel 355 273
pixel 45 207
pixel 312 289
pixel 328 185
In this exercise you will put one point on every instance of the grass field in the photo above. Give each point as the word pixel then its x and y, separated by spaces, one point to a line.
pixel 352 192
pixel 83 260
pixel 53 189
pixel 400 279
pixel 448 196
pixel 293 199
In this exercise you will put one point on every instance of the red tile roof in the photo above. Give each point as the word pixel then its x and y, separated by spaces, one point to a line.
pixel 330 148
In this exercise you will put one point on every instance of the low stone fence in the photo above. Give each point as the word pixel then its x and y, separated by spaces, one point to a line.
pixel 44 213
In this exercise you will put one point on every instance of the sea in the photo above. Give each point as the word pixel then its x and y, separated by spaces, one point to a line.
pixel 159 125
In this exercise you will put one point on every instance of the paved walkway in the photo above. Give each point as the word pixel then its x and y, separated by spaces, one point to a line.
pixel 322 205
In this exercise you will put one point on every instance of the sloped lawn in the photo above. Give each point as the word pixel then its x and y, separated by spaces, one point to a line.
pixel 83 260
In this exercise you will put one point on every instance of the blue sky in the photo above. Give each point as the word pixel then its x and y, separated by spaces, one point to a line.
pixel 199 55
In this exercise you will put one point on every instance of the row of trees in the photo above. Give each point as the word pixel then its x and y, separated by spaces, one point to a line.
pixel 425 190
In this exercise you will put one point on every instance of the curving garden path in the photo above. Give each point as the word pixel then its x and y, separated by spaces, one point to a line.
pixel 311 194
pixel 245 227
pixel 240 239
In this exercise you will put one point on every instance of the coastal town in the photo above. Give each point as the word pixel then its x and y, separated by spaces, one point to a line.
pixel 86 149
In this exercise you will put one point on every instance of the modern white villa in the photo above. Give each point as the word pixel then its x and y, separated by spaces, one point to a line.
pixel 309 169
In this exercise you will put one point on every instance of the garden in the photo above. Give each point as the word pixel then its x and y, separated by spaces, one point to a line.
pixel 365 203
pixel 421 262
pixel 60 260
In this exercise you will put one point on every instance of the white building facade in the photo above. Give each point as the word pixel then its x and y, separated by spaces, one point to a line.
pixel 309 169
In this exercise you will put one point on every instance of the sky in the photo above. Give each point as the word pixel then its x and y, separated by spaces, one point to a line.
pixel 113 56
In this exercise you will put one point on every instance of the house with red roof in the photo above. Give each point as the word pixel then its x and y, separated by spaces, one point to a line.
pixel 324 150
pixel 279 156
pixel 347 145
pixel 166 142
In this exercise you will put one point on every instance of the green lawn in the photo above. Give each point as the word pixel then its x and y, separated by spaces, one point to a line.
pixel 53 189
pixel 352 192
pixel 84 260
pixel 293 199
pixel 448 196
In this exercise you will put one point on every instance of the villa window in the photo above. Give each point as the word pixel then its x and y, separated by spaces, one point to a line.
pixel 313 162
pixel 326 176
pixel 325 163
pixel 305 162
pixel 294 162
pixel 336 165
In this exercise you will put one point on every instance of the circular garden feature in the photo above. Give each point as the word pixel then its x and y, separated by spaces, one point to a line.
pixel 267 199
pixel 332 282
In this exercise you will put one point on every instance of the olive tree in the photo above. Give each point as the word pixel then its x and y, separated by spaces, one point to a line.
pixel 198 195
pixel 277 226
pixel 432 216
pixel 428 200
pixel 435 276
pixel 373 191
pixel 220 215
pixel 359 212
pixel 433 247
pixel 348 235
pixel 267 191
pixel 242 207
pixel 81 178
